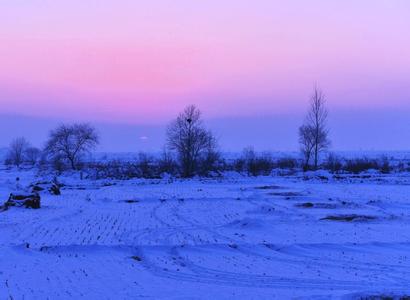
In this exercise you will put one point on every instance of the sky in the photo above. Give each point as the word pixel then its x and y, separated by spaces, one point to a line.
pixel 130 66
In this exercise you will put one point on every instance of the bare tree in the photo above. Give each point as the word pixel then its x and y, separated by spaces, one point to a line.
pixel 17 148
pixel 187 136
pixel 71 142
pixel 314 133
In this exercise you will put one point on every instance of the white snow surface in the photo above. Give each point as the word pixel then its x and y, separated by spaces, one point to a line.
pixel 230 238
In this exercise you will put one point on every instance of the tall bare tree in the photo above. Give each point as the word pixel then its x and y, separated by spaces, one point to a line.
pixel 70 142
pixel 314 133
pixel 16 151
pixel 188 137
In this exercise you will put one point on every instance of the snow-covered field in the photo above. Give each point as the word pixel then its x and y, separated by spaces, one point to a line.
pixel 231 238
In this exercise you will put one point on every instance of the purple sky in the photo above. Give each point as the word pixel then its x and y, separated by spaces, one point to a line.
pixel 247 64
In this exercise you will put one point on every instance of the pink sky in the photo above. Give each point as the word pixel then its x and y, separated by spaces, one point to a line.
pixel 142 61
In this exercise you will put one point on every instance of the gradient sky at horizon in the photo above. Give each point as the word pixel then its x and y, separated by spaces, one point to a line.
pixel 140 62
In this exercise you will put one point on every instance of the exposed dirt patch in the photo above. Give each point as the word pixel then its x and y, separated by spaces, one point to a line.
pixel 286 194
pixel 233 246
pixel 317 205
pixel 137 258
pixel 268 187
pixel 130 201
pixel 305 205
pixel 349 218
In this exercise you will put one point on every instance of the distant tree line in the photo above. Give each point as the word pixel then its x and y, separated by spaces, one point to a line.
pixel 190 149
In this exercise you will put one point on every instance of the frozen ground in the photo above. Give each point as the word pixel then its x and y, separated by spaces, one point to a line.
pixel 236 238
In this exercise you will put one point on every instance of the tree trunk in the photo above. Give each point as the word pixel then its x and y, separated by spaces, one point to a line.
pixel 72 164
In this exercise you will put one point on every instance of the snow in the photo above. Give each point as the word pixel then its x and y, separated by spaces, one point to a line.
pixel 229 238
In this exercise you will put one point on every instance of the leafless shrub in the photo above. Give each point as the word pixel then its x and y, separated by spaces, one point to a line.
pixel 210 160
pixel 32 155
pixel 286 163
pixel 254 164
pixel 114 169
pixel 167 163
pixel 359 165
pixel 147 166
pixel 385 166
pixel 333 163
